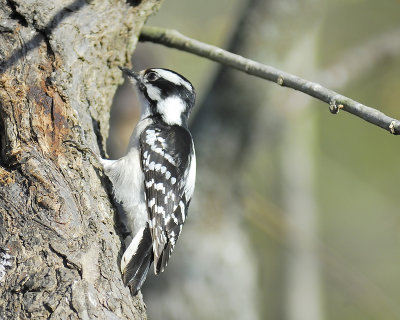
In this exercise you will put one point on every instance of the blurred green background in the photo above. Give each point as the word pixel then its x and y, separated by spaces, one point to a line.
pixel 295 213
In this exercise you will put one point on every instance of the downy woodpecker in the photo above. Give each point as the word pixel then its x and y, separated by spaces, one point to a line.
pixel 154 181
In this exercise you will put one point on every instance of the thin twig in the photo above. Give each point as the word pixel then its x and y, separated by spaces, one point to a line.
pixel 336 101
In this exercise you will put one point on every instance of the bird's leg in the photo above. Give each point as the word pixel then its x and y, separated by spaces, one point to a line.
pixel 98 161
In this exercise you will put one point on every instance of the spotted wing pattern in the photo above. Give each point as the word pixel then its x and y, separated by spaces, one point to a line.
pixel 166 163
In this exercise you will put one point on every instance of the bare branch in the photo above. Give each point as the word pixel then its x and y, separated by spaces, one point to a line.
pixel 336 101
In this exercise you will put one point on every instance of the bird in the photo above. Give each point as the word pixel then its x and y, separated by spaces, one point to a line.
pixel 154 182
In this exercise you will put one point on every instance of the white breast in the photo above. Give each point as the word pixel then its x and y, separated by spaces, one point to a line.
pixel 127 178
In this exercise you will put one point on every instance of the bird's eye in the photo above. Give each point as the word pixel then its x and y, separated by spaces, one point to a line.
pixel 152 76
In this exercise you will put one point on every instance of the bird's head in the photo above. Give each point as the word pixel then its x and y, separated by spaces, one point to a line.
pixel 164 94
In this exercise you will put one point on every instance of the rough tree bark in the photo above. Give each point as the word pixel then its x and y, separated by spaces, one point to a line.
pixel 59 241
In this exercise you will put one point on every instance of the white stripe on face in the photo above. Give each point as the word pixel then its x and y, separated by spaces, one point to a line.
pixel 153 92
pixel 174 78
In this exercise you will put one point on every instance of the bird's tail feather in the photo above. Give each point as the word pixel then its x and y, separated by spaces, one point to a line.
pixel 137 259
pixel 162 261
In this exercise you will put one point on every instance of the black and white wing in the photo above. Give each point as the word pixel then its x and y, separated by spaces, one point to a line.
pixel 169 166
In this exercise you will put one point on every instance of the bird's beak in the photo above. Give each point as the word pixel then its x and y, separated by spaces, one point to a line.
pixel 132 74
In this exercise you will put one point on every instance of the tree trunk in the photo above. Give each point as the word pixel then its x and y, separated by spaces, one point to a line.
pixel 263 150
pixel 60 246
pixel 288 128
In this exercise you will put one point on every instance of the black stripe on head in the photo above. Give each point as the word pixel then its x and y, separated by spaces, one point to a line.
pixel 170 84
pixel 157 85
